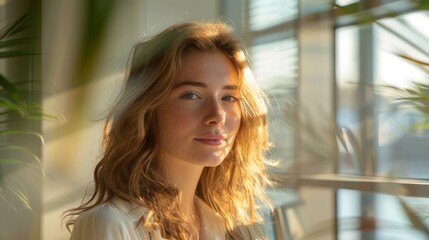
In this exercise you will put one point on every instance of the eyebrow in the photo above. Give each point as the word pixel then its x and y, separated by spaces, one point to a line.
pixel 203 85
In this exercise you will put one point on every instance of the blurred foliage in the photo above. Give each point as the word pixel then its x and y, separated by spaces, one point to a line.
pixel 14 107
pixel 414 97
pixel 311 137
pixel 15 41
pixel 13 101
pixel 96 18
pixel 359 8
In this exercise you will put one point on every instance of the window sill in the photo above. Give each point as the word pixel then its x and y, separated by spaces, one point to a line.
pixel 393 186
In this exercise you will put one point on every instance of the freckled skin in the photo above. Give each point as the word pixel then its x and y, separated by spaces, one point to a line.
pixel 201 117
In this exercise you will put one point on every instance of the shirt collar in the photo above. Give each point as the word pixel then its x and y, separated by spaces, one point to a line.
pixel 133 210
pixel 212 224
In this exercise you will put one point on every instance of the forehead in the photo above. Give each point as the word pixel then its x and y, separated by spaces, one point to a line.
pixel 199 65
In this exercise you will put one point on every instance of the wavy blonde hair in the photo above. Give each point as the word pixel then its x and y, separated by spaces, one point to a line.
pixel 129 168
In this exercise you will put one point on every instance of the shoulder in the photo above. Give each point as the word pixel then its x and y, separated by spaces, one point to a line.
pixel 115 219
pixel 106 213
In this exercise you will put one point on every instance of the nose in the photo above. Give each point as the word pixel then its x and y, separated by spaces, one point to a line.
pixel 215 114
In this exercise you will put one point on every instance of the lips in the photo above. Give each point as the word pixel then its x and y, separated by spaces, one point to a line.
pixel 214 140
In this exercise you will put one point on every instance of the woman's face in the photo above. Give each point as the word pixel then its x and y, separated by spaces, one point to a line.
pixel 200 119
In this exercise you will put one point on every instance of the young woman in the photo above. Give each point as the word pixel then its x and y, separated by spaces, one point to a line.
pixel 184 145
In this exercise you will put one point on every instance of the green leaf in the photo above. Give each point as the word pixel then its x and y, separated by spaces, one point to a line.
pixel 417 98
pixel 10 54
pixel 347 9
pixel 424 5
pixel 2 194
pixel 14 42
pixel 21 24
pixel 27 133
pixel 21 194
pixel 4 103
pixel 420 126
pixel 24 150
pixel 10 88
pixel 36 169
pixel 413 60
pixel 12 161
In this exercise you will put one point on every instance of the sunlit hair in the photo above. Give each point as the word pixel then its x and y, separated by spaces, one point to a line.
pixel 129 168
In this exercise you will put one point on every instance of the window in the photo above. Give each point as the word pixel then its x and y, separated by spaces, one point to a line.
pixel 274 51
pixel 382 116
pixel 269 13
pixel 357 168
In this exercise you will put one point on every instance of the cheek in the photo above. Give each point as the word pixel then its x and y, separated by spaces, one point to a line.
pixel 235 120
pixel 175 119
pixel 183 115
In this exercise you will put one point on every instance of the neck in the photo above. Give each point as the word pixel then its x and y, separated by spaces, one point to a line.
pixel 184 176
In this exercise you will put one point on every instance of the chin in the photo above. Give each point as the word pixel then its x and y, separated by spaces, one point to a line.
pixel 211 162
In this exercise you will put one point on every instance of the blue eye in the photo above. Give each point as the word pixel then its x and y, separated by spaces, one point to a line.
pixel 190 96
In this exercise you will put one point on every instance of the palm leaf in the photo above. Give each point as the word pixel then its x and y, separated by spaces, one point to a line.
pixel 418 63
pixel 424 4
pixel 23 23
pixel 11 54
pixel 26 133
pixel 12 101
pixel 14 42
pixel 420 126
pixel 21 193
pixel 5 102
pixel 414 219
pixel 10 88
pixel 417 98
pixel 24 150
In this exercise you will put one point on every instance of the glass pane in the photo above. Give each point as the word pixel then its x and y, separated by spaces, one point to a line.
pixel 397 96
pixel 285 202
pixel 385 118
pixel 275 69
pixel 267 13
pixel 348 214
pixel 403 132
pixel 268 225
pixel 348 119
pixel 363 215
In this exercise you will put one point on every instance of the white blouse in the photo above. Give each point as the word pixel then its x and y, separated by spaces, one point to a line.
pixel 117 220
